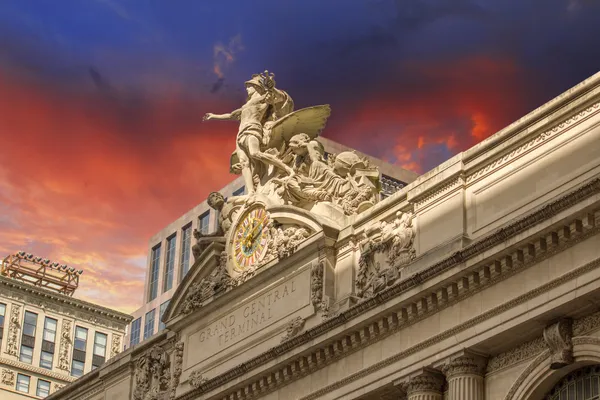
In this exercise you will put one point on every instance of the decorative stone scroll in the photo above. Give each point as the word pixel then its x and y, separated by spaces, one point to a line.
pixel 13 330
pixel 293 328
pixel 558 337
pixel 386 249
pixel 218 281
pixel 65 344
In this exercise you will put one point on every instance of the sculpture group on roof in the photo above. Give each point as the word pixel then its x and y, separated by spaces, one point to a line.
pixel 278 153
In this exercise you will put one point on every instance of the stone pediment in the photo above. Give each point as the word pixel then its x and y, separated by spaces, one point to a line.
pixel 221 266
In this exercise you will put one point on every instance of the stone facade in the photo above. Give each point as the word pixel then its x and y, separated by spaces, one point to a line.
pixel 18 298
pixel 476 281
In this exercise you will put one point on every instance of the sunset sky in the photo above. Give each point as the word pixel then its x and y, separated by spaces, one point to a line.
pixel 101 101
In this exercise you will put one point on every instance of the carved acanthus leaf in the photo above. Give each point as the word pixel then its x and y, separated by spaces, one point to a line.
pixel 177 368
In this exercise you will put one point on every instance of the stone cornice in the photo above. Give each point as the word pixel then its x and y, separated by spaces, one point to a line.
pixel 41 371
pixel 46 295
pixel 416 311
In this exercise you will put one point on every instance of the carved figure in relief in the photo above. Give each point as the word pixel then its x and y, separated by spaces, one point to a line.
pixel 263 104
pixel 347 182
pixel 385 250
pixel 13 329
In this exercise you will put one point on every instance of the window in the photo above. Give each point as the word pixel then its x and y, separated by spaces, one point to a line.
pixel 29 324
pixel 240 191
pixel 23 383
pixel 43 388
pixel 163 307
pixel 149 324
pixel 154 266
pixel 2 314
pixel 135 332
pixel 204 222
pixel 186 237
pixel 169 264
pixel 26 354
pixel 46 360
pixel 80 338
pixel 99 349
pixel 77 368
pixel 582 384
pixel 50 330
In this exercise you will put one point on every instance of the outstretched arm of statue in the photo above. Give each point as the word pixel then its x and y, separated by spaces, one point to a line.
pixel 232 116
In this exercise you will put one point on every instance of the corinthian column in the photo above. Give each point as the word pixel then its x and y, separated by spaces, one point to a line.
pixel 427 386
pixel 465 378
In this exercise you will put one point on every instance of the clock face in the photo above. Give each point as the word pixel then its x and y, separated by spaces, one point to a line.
pixel 250 239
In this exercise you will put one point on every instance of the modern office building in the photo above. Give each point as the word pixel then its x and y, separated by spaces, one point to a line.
pixel 170 256
pixel 48 338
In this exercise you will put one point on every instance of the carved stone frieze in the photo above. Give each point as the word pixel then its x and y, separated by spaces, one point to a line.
pixel 196 379
pixel 293 328
pixel 115 347
pixel 177 368
pixel 13 330
pixel 65 345
pixel 152 374
pixel 8 377
pixel 386 249
pixel 586 324
pixel 316 285
pixel 523 352
pixel 558 338
pixel 285 240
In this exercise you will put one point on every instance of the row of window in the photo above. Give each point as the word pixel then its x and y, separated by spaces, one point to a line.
pixel 49 343
pixel 184 257
pixel 149 320
pixel 23 383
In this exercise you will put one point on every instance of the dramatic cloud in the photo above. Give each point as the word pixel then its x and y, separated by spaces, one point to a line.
pixel 101 138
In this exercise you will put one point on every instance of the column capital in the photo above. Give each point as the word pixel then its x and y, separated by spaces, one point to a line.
pixel 465 365
pixel 428 380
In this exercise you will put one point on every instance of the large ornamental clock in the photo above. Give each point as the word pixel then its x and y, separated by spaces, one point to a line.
pixel 250 239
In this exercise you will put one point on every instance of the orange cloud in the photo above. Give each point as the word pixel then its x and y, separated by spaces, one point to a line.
pixel 87 180
pixel 225 55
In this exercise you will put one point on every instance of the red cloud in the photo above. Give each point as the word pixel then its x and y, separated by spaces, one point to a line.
pixel 87 180
pixel 456 104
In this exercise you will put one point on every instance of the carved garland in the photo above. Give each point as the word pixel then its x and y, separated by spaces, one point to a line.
pixel 178 368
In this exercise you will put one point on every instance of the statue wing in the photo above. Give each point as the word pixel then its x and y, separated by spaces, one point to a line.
pixel 310 120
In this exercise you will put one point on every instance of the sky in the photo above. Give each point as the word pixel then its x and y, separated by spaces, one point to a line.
pixel 101 102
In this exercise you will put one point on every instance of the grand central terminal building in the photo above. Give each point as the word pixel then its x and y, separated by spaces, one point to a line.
pixel 478 280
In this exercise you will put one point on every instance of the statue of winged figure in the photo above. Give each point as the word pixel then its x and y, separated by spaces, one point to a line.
pixel 267 123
